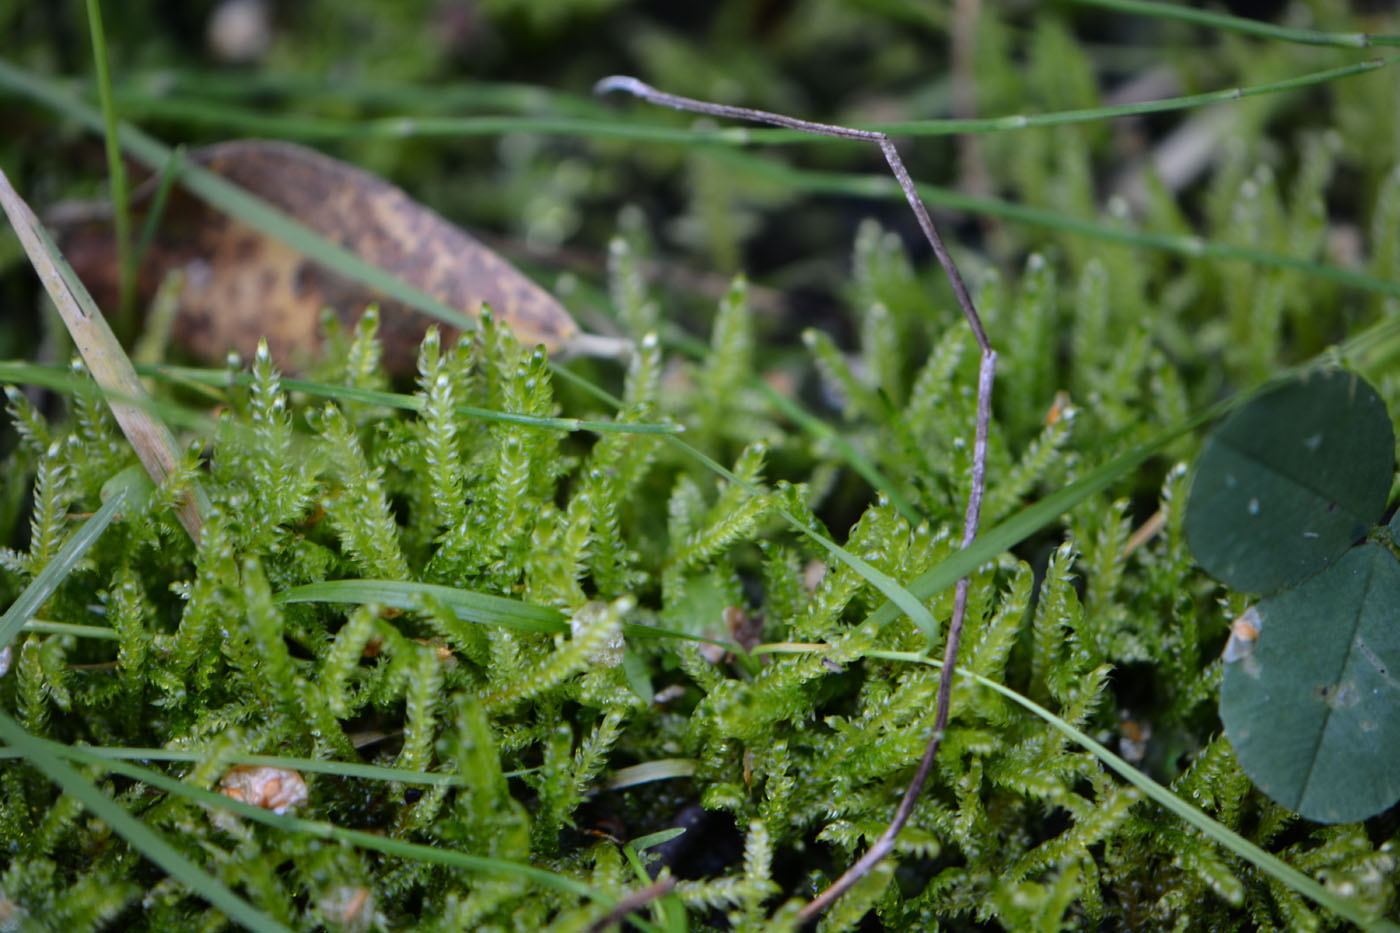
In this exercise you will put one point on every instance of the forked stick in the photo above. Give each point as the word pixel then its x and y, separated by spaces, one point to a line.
pixel 985 376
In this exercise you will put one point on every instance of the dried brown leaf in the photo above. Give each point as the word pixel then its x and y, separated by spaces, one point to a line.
pixel 240 285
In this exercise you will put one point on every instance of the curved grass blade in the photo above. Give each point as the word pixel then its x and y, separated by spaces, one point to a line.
pixel 219 378
pixel 1228 838
pixel 789 408
pixel 141 837
pixel 116 173
pixel 481 608
pixel 883 188
pixel 69 628
pixel 348 769
pixel 258 214
pixel 310 128
pixel 452 97
pixel 57 570
pixel 1224 22
pixel 662 769
pixel 233 200
pixel 365 840
pixel 253 211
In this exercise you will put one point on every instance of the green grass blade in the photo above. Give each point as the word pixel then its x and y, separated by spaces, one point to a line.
pixel 69 628
pixel 42 756
pixel 1032 518
pixel 116 173
pixel 157 210
pixel 789 408
pixel 371 841
pixel 824 432
pixel 1011 532
pixel 1228 838
pixel 624 126
pixel 1093 114
pixel 481 608
pixel 450 97
pixel 57 570
pixel 886 584
pixel 1224 22
pixel 307 128
pixel 348 769
pixel 258 214
pixel 473 607
pixel 220 378
pixel 233 200
pixel 60 379
pixel 883 187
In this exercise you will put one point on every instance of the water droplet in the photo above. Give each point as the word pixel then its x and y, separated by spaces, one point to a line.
pixel 1313 443
pixel 1253 506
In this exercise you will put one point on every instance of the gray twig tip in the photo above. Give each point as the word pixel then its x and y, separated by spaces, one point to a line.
pixel 619 83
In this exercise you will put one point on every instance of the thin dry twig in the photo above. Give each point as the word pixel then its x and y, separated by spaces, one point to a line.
pixel 632 902
pixel 985 376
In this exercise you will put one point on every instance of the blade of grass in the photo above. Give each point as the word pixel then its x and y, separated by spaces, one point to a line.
pixel 662 769
pixel 57 570
pixel 347 769
pixel 60 379
pixel 256 213
pixel 886 584
pixel 1038 515
pixel 233 200
pixel 310 128
pixel 443 96
pixel 819 429
pixel 154 444
pixel 1224 22
pixel 1013 122
pixel 1228 838
pixel 474 607
pixel 141 837
pixel 365 840
pixel 880 187
pixel 481 608
pixel 116 174
pixel 214 377
pixel 158 201
pixel 69 628
pixel 814 426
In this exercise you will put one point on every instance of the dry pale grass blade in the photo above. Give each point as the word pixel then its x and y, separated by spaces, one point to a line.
pixel 155 446
pixel 241 284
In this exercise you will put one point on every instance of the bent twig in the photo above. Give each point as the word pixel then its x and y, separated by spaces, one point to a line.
pixel 985 376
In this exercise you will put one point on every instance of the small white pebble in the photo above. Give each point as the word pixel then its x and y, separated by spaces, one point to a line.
pixel 239 31
pixel 275 789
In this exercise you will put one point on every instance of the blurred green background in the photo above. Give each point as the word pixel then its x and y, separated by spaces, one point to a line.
pixel 198 72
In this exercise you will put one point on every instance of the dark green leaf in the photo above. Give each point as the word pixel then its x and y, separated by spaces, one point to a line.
pixel 1310 710
pixel 1290 481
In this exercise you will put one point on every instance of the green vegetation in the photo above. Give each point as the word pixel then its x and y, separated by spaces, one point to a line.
pixel 514 629
pixel 1283 492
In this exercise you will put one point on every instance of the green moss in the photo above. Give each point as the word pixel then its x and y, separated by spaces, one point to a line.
pixel 636 551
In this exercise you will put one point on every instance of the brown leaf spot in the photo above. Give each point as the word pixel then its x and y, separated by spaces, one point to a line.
pixel 241 285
